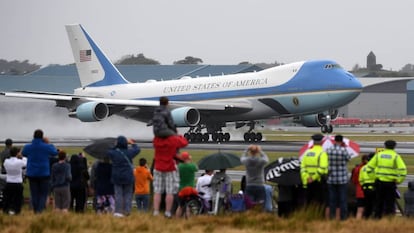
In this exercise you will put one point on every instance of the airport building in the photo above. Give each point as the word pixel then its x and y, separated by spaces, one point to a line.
pixel 382 98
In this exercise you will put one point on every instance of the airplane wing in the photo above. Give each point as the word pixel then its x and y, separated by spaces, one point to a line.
pixel 71 101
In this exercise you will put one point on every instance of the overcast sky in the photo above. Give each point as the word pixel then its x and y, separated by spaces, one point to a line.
pixel 217 31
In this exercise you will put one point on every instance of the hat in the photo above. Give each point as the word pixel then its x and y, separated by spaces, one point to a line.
pixel 8 142
pixel 390 144
pixel 185 156
pixel 339 138
pixel 317 137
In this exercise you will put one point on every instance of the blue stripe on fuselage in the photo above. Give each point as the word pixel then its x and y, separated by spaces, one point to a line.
pixel 311 77
pixel 111 76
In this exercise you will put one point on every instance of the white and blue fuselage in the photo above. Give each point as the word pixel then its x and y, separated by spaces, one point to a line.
pixel 308 88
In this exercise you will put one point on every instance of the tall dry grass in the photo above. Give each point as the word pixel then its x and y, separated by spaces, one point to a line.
pixel 250 221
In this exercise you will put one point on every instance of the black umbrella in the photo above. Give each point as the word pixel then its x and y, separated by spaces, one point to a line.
pixel 219 160
pixel 284 171
pixel 100 147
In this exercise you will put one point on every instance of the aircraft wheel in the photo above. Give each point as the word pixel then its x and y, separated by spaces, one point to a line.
pixel 226 137
pixel 220 137
pixel 198 137
pixel 193 137
pixel 259 137
pixel 187 136
pixel 246 137
pixel 330 128
pixel 206 137
pixel 324 129
pixel 252 137
pixel 214 137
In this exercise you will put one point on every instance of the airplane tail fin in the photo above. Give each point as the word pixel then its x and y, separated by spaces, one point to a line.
pixel 94 68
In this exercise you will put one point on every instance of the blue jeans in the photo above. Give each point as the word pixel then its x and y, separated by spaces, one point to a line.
pixel 123 198
pixel 39 189
pixel 338 198
pixel 142 202
pixel 269 198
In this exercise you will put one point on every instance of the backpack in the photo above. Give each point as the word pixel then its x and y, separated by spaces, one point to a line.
pixel 237 203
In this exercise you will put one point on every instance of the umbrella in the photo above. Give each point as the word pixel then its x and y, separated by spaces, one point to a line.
pixel 100 147
pixel 327 141
pixel 284 171
pixel 220 160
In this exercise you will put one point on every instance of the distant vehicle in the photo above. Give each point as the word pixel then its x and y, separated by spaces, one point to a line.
pixel 311 91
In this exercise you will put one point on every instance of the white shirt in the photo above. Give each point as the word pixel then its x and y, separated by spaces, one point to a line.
pixel 203 186
pixel 14 168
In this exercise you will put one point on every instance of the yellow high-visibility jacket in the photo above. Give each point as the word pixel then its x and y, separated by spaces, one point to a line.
pixel 387 166
pixel 314 164
pixel 366 180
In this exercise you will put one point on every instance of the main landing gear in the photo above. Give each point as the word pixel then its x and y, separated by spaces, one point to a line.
pixel 250 136
pixel 204 137
pixel 195 135
pixel 217 135
pixel 253 137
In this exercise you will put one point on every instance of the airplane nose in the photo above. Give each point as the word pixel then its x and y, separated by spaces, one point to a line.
pixel 355 83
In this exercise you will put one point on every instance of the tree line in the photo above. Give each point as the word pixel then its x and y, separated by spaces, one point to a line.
pixel 17 67
pixel 23 67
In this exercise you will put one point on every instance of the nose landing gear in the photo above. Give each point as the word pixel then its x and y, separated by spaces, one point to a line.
pixel 326 129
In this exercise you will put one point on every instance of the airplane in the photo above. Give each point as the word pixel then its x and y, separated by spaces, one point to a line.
pixel 309 91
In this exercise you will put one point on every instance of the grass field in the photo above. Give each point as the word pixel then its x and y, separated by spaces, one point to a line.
pixel 250 221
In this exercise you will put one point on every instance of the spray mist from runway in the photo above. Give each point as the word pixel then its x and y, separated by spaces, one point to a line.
pixel 21 117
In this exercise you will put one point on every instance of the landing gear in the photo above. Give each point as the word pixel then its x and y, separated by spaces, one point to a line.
pixel 220 137
pixel 217 135
pixel 253 137
pixel 197 137
pixel 326 129
pixel 250 136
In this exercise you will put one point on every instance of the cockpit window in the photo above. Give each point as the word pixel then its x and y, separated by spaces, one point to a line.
pixel 333 66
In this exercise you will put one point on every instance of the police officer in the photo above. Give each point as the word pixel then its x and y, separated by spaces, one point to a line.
pixel 367 182
pixel 389 170
pixel 313 171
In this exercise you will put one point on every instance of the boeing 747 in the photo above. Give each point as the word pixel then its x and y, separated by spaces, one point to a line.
pixel 309 91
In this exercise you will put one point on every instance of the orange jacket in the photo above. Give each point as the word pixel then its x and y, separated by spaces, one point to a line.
pixel 143 178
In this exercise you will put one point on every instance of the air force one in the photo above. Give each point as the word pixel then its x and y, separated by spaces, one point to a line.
pixel 309 91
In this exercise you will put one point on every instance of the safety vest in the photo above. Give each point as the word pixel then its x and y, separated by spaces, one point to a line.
pixel 366 180
pixel 314 164
pixel 388 166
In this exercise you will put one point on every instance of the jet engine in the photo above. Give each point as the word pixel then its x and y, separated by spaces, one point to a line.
pixel 316 120
pixel 185 116
pixel 92 111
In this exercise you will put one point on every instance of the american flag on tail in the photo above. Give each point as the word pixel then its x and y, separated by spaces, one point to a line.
pixel 85 55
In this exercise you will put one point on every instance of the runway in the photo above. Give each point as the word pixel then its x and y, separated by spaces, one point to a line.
pixel 278 146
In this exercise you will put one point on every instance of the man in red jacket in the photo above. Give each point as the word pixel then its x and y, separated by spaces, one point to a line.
pixel 166 177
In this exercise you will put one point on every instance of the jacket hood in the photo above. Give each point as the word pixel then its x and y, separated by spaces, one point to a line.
pixel 122 142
